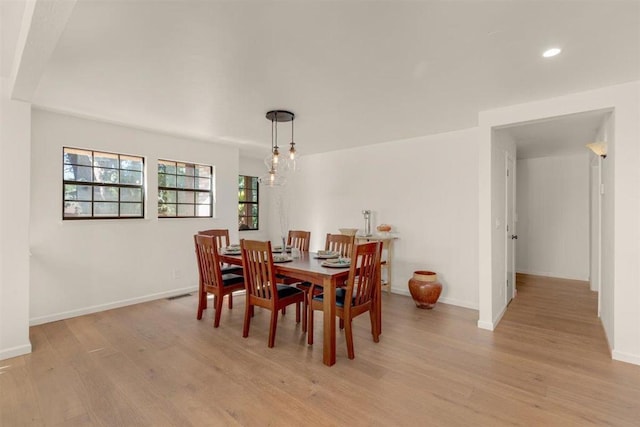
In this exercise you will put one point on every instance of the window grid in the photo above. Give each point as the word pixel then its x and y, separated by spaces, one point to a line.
pixel 89 170
pixel 185 190
pixel 248 203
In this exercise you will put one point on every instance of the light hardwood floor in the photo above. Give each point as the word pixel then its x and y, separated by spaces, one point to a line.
pixel 154 364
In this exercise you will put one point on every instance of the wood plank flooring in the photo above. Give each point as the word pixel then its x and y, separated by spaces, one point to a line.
pixel 154 364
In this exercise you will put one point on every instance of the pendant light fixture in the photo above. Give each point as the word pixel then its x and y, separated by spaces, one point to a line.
pixel 277 166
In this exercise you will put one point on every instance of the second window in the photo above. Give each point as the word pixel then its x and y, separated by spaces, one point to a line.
pixel 185 190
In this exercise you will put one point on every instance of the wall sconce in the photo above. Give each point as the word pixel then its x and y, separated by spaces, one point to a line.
pixel 600 148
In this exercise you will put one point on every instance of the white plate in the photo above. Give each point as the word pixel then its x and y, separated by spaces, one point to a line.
pixel 278 249
pixel 279 259
pixel 231 251
pixel 327 254
pixel 336 264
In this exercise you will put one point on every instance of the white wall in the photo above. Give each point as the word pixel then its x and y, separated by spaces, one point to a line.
pixel 255 167
pixel 553 216
pixel 84 266
pixel 426 188
pixel 621 206
pixel 15 122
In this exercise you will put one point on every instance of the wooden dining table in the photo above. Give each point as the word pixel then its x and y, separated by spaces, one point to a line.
pixel 309 268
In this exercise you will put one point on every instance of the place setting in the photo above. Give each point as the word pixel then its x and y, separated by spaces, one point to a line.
pixel 282 258
pixel 232 250
pixel 327 254
pixel 337 262
pixel 278 249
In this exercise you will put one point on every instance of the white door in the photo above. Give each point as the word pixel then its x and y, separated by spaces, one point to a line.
pixel 510 236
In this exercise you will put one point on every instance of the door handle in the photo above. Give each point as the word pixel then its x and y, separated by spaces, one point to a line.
pixel 514 237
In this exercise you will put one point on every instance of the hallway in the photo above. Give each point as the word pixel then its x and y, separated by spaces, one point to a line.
pixel 553 328
pixel 565 310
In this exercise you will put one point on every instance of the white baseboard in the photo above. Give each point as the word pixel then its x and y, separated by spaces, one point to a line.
pixel 491 326
pixel 398 291
pixel 485 325
pixel 8 353
pixel 450 301
pixel 554 275
pixel 625 357
pixel 102 307
pixel 499 317
pixel 458 303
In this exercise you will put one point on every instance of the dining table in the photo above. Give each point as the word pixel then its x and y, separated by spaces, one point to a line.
pixel 308 268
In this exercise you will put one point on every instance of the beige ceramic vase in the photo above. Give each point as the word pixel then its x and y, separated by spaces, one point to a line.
pixel 425 288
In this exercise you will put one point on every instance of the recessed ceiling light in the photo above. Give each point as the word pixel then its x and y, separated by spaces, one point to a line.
pixel 551 52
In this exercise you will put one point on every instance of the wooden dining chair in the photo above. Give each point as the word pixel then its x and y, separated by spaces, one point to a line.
pixel 339 243
pixel 334 242
pixel 296 239
pixel 211 278
pixel 262 290
pixel 299 239
pixel 359 295
pixel 221 237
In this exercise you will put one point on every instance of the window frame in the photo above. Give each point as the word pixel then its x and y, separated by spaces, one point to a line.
pixel 195 191
pixel 243 204
pixel 96 184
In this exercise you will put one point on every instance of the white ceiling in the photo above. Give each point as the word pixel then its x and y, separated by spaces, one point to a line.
pixel 353 72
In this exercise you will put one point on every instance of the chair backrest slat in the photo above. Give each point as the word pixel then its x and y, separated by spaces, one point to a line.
pixel 340 243
pixel 299 239
pixel 257 260
pixel 221 236
pixel 208 260
pixel 364 274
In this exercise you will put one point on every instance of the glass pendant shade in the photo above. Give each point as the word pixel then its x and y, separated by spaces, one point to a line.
pixel 272 179
pixel 279 166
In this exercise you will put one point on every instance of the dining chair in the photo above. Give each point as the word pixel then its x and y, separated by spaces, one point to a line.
pixel 296 239
pixel 339 243
pixel 334 242
pixel 358 296
pixel 262 290
pixel 299 239
pixel 211 278
pixel 221 236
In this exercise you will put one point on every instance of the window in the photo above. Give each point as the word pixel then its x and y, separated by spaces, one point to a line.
pixel 184 190
pixel 100 185
pixel 247 202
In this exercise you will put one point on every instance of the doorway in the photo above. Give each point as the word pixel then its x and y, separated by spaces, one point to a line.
pixel 548 198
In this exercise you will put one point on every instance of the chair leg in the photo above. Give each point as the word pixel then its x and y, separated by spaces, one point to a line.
pixel 297 312
pixel 248 311
pixel 305 307
pixel 341 323
pixel 216 317
pixel 284 310
pixel 310 326
pixel 348 333
pixel 230 301
pixel 272 328
pixel 202 303
pixel 374 326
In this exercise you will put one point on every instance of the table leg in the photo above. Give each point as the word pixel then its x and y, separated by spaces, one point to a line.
pixel 329 312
